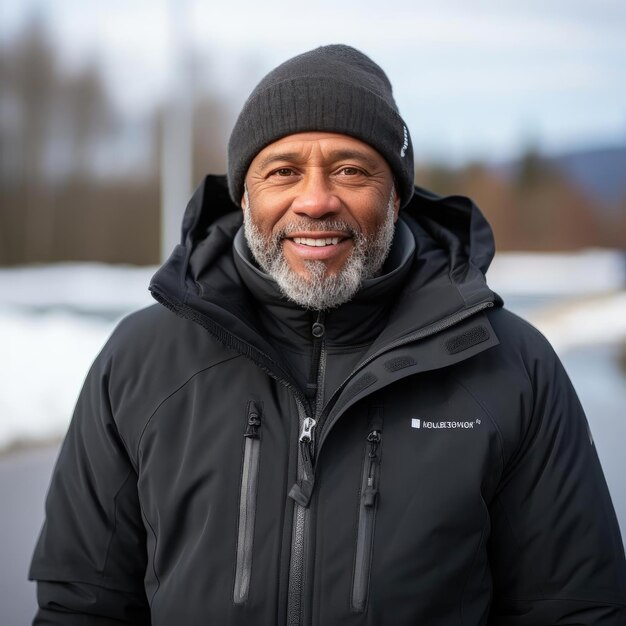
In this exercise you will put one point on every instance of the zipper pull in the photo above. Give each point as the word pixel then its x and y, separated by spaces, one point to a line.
pixel 306 447
pixel 306 436
pixel 254 422
pixel 374 438
pixel 301 492
pixel 371 490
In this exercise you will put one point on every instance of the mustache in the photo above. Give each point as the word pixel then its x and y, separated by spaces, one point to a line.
pixel 312 225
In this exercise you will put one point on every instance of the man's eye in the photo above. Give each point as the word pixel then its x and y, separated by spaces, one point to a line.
pixel 350 171
pixel 283 171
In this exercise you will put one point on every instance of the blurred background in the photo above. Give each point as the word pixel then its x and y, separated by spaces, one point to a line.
pixel 112 113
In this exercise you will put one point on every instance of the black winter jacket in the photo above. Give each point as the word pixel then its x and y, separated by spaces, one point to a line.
pixel 450 479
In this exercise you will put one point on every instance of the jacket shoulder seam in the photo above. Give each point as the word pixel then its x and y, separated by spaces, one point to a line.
pixel 518 546
pixel 491 419
pixel 114 529
pixel 174 392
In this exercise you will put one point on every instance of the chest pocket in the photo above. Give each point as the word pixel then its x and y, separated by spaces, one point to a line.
pixel 247 503
pixel 367 510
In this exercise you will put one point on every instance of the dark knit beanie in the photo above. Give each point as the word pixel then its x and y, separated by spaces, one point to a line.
pixel 332 88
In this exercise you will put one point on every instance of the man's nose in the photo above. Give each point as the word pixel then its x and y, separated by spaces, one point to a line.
pixel 315 197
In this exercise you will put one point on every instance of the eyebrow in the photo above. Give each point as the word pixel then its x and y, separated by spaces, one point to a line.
pixel 279 156
pixel 335 155
pixel 347 155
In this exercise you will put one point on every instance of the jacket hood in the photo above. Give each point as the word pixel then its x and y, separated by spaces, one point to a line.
pixel 454 221
pixel 454 247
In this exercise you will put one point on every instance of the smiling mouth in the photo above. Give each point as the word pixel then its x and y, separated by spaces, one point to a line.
pixel 317 243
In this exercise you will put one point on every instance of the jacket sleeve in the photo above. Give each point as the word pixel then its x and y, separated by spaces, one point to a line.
pixel 90 558
pixel 556 552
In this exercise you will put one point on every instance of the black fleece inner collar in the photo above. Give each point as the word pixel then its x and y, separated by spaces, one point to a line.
pixel 355 323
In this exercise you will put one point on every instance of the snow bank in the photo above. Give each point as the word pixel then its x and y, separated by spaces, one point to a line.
pixel 594 321
pixel 53 321
pixel 558 274
pixel 85 287
pixel 47 358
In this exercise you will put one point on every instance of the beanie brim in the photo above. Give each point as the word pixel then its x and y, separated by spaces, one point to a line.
pixel 331 89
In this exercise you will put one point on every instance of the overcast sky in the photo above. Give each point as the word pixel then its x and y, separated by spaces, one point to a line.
pixel 472 79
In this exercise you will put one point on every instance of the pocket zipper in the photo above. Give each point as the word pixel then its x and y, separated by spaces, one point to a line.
pixel 367 515
pixel 247 504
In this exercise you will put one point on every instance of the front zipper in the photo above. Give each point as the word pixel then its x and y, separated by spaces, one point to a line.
pixel 299 535
pixel 247 503
pixel 367 513
pixel 302 489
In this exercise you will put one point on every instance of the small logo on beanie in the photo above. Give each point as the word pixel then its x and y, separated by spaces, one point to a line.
pixel 405 142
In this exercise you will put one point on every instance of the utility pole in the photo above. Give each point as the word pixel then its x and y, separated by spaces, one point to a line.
pixel 177 137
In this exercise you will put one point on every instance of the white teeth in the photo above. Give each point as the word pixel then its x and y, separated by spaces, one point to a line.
pixel 317 243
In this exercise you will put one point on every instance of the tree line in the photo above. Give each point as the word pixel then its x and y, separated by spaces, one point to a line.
pixel 57 205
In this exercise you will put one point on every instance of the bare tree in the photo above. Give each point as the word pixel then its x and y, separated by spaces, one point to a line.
pixel 86 106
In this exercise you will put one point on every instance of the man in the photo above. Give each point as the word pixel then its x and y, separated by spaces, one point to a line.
pixel 329 418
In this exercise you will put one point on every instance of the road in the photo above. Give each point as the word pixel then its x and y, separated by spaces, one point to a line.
pixel 24 478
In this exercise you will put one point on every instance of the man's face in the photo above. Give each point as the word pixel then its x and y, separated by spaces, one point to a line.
pixel 319 215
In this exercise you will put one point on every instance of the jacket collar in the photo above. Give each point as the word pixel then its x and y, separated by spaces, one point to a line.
pixel 357 322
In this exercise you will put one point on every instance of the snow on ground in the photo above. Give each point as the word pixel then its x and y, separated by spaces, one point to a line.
pixel 84 287
pixel 55 319
pixel 581 294
pixel 48 358
pixel 574 324
pixel 582 273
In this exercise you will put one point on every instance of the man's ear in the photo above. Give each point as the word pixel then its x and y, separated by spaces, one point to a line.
pixel 396 203
pixel 245 201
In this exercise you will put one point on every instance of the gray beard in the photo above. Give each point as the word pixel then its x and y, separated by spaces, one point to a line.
pixel 316 290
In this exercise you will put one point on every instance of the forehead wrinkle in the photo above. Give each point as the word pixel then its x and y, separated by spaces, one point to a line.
pixel 333 156
pixel 289 157
pixel 343 154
